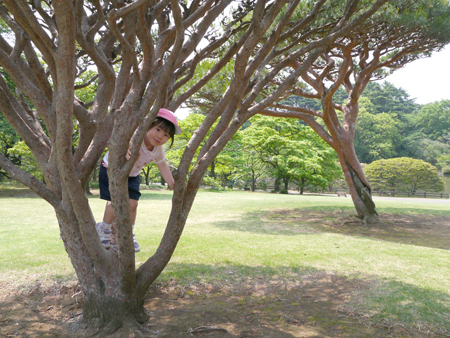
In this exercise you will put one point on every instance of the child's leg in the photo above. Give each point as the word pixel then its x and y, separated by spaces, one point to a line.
pixel 108 216
pixel 133 207
pixel 104 228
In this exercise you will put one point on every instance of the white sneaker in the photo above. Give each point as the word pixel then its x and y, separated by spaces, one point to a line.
pixel 103 233
pixel 137 248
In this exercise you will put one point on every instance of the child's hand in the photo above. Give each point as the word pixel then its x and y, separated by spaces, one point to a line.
pixel 128 155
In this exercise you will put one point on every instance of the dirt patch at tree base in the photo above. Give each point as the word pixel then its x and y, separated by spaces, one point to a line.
pixel 254 308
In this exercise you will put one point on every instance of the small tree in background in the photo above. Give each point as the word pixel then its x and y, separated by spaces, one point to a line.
pixel 293 150
pixel 402 174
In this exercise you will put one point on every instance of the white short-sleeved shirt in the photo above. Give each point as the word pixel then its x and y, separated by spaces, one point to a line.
pixel 157 155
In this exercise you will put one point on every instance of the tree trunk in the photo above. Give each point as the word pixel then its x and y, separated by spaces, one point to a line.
pixel 146 172
pixel 213 169
pixel 302 186
pixel 276 186
pixel 253 181
pixel 358 185
pixel 361 194
pixel 286 183
pixel 105 304
pixel 114 312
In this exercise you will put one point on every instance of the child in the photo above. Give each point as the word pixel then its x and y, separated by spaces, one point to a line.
pixel 163 128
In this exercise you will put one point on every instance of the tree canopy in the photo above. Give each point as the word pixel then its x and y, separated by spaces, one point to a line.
pixel 293 151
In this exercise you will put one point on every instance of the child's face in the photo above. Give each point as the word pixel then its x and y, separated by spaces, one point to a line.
pixel 157 136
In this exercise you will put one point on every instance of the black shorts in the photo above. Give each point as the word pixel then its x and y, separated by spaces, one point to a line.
pixel 133 185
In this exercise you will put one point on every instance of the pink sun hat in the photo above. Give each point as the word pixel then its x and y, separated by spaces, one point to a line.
pixel 168 115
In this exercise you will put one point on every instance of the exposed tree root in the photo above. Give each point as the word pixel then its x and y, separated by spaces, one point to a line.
pixel 360 222
pixel 111 326
pixel 129 325
pixel 206 329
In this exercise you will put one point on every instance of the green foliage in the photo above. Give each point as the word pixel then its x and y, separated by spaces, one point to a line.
pixel 27 162
pixel 4 28
pixel 212 182
pixel 11 145
pixel 223 165
pixel 433 119
pixel 398 109
pixel 293 150
pixel 87 90
pixel 251 169
pixel 391 125
pixel 387 98
pixel 211 93
pixel 8 138
pixel 429 137
pixel 149 173
pixel 431 151
pixel 376 134
pixel 403 173
pixel 189 125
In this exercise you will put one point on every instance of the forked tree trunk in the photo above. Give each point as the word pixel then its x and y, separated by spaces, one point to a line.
pixel 343 144
pixel 105 303
pixel 360 191
pixel 302 186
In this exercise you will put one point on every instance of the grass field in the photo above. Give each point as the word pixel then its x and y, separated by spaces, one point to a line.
pixel 261 234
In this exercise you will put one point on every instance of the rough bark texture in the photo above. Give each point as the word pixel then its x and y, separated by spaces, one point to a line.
pixel 159 45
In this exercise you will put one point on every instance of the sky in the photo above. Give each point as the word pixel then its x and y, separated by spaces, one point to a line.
pixel 426 80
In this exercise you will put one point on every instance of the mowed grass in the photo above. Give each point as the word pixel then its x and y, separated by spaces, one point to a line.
pixel 241 234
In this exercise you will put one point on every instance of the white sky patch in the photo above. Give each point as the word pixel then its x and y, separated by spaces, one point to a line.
pixel 426 80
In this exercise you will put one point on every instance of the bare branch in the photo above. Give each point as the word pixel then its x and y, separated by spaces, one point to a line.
pixel 29 23
pixel 305 115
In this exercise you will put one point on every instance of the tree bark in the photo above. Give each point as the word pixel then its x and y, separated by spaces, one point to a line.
pixel 343 144
pixel 253 180
pixel 286 183
pixel 276 185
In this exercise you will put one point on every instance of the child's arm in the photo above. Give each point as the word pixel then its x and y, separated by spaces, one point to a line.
pixel 166 173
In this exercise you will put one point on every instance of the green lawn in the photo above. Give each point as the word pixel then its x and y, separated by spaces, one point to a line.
pixel 250 234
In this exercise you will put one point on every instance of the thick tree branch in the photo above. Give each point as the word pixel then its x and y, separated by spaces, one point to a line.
pixel 30 181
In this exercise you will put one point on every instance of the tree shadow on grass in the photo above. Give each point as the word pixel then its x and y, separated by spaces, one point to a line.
pixel 282 302
pixel 18 192
pixel 429 230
